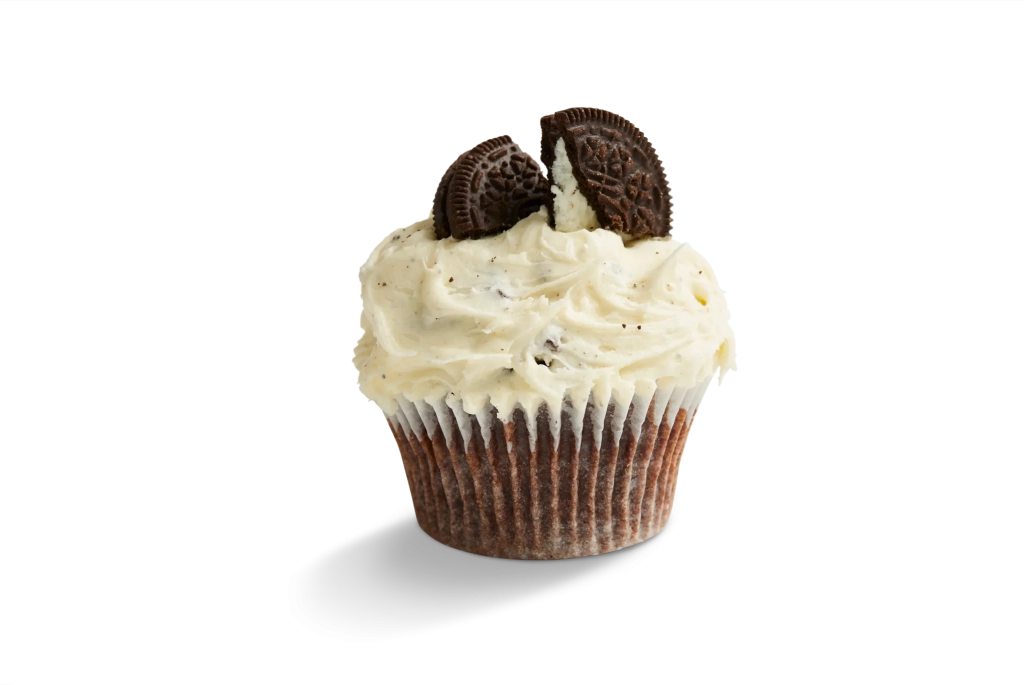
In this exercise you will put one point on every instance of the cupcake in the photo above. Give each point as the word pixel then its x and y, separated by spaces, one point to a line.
pixel 540 345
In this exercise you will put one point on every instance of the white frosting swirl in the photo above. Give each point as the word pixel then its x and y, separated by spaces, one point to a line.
pixel 533 315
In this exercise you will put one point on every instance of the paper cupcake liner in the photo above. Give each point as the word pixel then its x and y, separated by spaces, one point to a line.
pixel 551 489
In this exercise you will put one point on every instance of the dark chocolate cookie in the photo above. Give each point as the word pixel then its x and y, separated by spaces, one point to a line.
pixel 616 167
pixel 492 187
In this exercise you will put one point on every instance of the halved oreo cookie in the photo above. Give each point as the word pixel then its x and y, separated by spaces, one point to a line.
pixel 617 169
pixel 488 190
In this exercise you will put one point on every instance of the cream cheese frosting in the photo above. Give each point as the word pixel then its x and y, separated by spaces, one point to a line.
pixel 535 315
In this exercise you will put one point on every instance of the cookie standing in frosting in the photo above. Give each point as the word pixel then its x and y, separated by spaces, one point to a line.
pixel 487 190
pixel 615 168
pixel 603 173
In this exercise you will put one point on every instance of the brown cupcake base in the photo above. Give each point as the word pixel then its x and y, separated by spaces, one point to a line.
pixel 520 498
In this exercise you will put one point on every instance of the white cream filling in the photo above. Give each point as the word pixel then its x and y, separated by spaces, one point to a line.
pixel 572 211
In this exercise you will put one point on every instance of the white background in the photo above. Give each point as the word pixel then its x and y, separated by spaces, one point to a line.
pixel 192 489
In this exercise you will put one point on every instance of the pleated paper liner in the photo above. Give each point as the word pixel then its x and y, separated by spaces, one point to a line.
pixel 554 490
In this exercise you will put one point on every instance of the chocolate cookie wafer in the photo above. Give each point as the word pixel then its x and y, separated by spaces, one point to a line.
pixel 488 190
pixel 616 168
